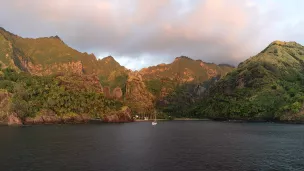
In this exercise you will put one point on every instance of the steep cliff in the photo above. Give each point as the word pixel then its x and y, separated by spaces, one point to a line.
pixel 137 96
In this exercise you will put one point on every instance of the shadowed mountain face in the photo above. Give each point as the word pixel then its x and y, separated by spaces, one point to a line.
pixel 266 86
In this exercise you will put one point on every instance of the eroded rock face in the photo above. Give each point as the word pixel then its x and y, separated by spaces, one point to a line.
pixel 117 93
pixel 124 115
pixel 14 120
pixel 107 92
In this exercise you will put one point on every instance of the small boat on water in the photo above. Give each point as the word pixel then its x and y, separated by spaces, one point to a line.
pixel 155 121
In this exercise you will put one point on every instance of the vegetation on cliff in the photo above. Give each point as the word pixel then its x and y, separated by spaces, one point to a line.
pixel 179 103
pixel 61 95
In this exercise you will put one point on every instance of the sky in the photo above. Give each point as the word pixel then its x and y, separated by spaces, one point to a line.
pixel 141 33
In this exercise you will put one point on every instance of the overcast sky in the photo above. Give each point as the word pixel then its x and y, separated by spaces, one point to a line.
pixel 139 33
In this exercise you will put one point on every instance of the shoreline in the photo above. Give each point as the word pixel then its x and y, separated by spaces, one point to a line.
pixel 225 120
pixel 176 119
pixel 99 121
pixel 257 121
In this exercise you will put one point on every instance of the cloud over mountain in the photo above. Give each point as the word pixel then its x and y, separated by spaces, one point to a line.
pixel 143 32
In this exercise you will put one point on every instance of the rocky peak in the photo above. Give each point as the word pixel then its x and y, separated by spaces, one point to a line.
pixel 277 45
pixel 109 59
pixel 135 76
pixel 182 58
pixel 283 43
pixel 56 38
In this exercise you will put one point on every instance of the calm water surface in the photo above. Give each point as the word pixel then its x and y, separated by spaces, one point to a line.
pixel 175 145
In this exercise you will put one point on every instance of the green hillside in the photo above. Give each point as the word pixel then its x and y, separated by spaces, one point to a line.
pixel 267 86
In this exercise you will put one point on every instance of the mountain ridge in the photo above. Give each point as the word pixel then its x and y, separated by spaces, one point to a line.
pixel 56 37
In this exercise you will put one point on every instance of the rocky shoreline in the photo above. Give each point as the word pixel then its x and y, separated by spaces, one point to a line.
pixel 122 116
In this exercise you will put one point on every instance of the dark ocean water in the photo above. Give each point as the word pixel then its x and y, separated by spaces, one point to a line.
pixel 175 145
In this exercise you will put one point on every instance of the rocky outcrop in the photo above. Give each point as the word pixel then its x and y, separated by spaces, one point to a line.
pixel 124 115
pixel 74 119
pixel 137 95
pixel 44 117
pixel 51 118
pixel 107 91
pixel 33 121
pixel 13 120
pixel 73 67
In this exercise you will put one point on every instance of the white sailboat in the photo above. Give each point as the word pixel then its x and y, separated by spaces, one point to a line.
pixel 154 122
